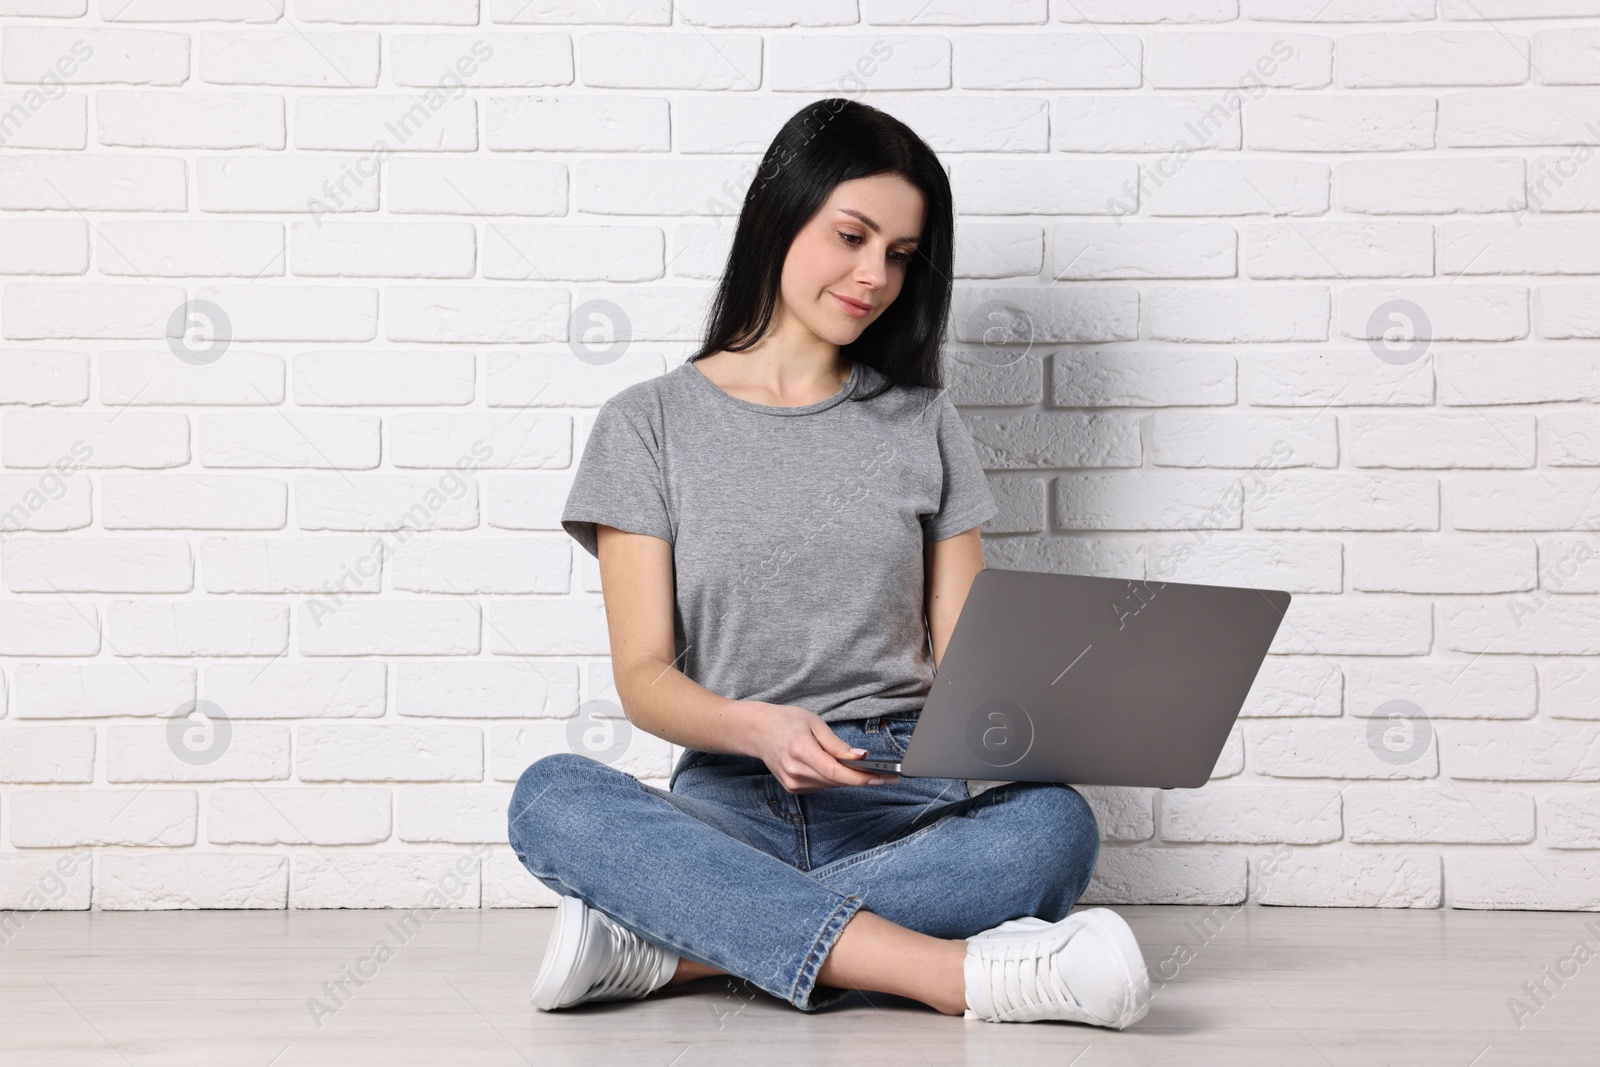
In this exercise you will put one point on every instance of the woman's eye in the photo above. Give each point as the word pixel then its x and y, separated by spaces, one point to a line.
pixel 852 238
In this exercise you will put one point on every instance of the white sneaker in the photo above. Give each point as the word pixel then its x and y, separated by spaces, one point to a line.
pixel 592 958
pixel 1087 968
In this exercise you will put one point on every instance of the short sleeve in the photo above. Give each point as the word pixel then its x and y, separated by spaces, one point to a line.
pixel 618 482
pixel 965 500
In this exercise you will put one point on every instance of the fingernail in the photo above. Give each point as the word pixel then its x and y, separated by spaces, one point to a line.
pixel 859 751
pixel 874 781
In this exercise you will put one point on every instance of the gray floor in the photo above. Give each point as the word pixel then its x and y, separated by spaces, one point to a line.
pixel 1279 986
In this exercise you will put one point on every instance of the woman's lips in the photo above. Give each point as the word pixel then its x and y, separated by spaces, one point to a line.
pixel 851 307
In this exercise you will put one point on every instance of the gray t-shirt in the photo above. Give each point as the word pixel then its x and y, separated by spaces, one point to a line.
pixel 797 532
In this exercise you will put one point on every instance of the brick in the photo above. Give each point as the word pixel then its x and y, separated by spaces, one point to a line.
pixel 1539 883
pixel 1529 751
pixel 1320 11
pixel 48 754
pixel 385 502
pixel 1421 58
pixel 1565 183
pixel 1143 250
pixel 1054 439
pixel 1354 880
pixel 1488 376
pixel 1432 186
pixel 581 124
pixel 1124 814
pixel 1572 820
pixel 395 628
pixel 1572 439
pixel 451 186
pixel 1417 439
pixel 1569 56
pixel 296 689
pixel 1295 686
pixel 1240 60
pixel 383 250
pixel 1569 690
pixel 1154 501
pixel 1238 187
pixel 429 879
pixel 84 564
pixel 580 253
pixel 1538 623
pixel 1339 123
pixel 1483 246
pixel 1251 815
pixel 1136 11
pixel 1237 313
pixel 1168 876
pixel 1567 311
pixel 44 246
pixel 796 62
pixel 231 880
pixel 292 184
pixel 1448 564
pixel 1046 314
pixel 1165 123
pixel 1513 501
pixel 453 814
pixel 1492 118
pixel 1046 187
pixel 410 122
pixel 1333 377
pixel 339 59
pixel 63 818
pixel 1038 61
pixel 1308 500
pixel 159 119
pixel 1328 750
pixel 1339 250
pixel 1569 565
pixel 429 12
pixel 488 60
pixel 1332 625
pixel 30 54
pixel 1482 688
pixel 390 753
pixel 518 689
pixel 1453 312
pixel 490 314
pixel 1386 814
pixel 1229 439
pixel 179 249
pixel 987 250
pixel 1092 378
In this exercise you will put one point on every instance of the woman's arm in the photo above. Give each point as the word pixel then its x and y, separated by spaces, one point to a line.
pixel 801 750
pixel 950 567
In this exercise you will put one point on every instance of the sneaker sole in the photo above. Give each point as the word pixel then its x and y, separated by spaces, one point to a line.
pixel 566 939
pixel 1116 929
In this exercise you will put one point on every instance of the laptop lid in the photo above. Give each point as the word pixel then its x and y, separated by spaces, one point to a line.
pixel 1092 681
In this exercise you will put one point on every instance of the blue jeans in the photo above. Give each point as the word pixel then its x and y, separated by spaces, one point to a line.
pixel 727 868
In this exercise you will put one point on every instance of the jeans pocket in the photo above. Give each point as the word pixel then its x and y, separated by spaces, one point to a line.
pixel 897 732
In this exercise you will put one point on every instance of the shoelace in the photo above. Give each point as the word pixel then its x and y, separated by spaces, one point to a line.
pixel 632 970
pixel 1022 975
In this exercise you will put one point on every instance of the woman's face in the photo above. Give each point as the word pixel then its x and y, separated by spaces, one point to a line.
pixel 847 264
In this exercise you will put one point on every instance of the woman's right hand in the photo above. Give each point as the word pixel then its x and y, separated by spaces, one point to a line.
pixel 803 752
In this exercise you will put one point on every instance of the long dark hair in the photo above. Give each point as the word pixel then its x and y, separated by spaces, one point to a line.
pixel 823 144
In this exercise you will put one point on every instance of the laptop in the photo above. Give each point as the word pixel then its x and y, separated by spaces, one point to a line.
pixel 1090 681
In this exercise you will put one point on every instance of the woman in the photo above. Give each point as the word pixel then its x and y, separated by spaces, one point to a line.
pixel 773 519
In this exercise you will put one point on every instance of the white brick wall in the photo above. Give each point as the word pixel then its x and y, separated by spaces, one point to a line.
pixel 1225 222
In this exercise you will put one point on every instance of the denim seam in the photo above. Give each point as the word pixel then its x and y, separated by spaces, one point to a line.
pixel 841 914
pixel 850 861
